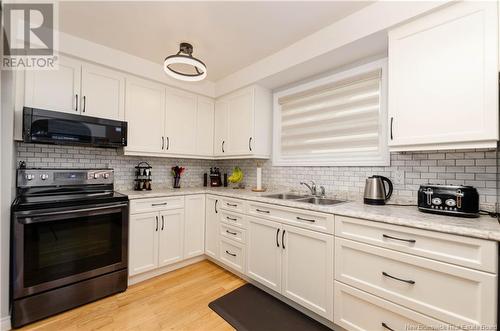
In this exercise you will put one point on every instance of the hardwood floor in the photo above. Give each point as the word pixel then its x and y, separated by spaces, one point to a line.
pixel 174 301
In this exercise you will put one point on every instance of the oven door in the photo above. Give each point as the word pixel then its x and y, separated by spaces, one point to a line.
pixel 60 246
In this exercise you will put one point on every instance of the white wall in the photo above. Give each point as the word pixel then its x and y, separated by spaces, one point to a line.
pixel 7 185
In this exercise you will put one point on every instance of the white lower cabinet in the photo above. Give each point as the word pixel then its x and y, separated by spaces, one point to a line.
pixel 264 252
pixel 295 262
pixel 232 254
pixel 360 311
pixel 164 231
pixel 143 251
pixel 194 230
pixel 212 227
pixel 171 231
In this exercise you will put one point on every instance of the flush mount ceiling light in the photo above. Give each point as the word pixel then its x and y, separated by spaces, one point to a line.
pixel 185 59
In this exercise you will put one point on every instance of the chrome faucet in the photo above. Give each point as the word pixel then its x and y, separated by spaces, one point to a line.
pixel 311 188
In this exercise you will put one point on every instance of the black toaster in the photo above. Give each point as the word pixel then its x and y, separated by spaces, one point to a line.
pixel 449 200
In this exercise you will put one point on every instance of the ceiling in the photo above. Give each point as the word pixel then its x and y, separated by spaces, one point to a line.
pixel 227 36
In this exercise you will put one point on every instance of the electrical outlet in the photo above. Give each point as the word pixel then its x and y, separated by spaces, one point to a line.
pixel 399 176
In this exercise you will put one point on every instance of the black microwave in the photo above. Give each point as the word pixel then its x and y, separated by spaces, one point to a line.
pixel 51 127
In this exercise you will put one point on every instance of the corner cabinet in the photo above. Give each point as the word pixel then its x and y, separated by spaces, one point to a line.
pixel 243 124
pixel 443 79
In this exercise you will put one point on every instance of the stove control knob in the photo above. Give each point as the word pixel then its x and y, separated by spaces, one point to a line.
pixel 30 177
pixel 96 175
pixel 106 175
pixel 44 176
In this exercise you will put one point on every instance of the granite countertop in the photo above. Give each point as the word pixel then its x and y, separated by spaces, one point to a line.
pixel 484 227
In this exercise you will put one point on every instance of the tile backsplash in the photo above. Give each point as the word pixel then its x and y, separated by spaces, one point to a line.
pixel 407 171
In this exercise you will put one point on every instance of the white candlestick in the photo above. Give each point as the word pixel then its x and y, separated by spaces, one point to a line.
pixel 259 178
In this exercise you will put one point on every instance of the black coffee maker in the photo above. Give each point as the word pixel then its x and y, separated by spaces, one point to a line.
pixel 215 177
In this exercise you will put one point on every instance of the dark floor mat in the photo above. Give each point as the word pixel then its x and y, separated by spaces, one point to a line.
pixel 250 309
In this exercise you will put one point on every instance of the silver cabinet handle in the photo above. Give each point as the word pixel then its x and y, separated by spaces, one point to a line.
pixel 408 281
pixel 412 241
pixel 305 219
pixel 229 253
pixel 233 233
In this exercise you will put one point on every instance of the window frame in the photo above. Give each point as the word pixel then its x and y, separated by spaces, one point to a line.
pixel 339 159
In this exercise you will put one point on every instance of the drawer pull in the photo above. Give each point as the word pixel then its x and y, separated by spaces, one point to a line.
pixel 400 279
pixel 159 204
pixel 231 219
pixel 385 326
pixel 412 241
pixel 305 219
pixel 229 253
pixel 233 233
pixel 262 211
pixel 231 204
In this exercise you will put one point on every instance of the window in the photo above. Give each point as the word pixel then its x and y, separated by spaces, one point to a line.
pixel 339 120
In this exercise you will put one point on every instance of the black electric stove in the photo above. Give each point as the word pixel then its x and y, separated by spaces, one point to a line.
pixel 69 241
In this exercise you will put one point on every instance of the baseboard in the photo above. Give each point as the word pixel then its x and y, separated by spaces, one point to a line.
pixel 5 323
pixel 162 270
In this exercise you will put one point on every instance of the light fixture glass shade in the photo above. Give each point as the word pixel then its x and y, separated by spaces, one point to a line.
pixel 200 68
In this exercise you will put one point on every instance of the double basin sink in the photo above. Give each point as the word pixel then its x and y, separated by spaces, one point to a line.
pixel 302 198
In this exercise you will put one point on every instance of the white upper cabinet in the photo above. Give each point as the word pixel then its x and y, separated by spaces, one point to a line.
pixel 243 124
pixel 443 79
pixel 77 87
pixel 145 114
pixel 220 128
pixel 57 90
pixel 180 127
pixel 205 127
pixel 102 92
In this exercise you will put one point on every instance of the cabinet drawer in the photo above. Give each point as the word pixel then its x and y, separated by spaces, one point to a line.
pixel 293 216
pixel 358 310
pixel 232 254
pixel 468 252
pixel 233 219
pixel 233 233
pixel 450 293
pixel 232 205
pixel 155 204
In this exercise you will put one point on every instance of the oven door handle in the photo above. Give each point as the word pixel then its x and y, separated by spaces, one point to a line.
pixel 37 217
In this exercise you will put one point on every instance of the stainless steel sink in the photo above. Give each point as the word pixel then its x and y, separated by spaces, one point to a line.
pixel 319 201
pixel 284 196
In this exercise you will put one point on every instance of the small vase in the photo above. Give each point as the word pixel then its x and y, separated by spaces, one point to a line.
pixel 177 182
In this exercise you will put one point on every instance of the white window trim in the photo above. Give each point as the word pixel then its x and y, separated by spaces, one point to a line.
pixel 384 157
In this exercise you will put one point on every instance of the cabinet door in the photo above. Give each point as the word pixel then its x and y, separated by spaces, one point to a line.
pixel 443 77
pixel 205 127
pixel 103 92
pixel 212 227
pixel 180 124
pixel 240 122
pixel 264 252
pixel 194 229
pixel 145 114
pixel 220 128
pixel 57 90
pixel 143 243
pixel 307 260
pixel 171 239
